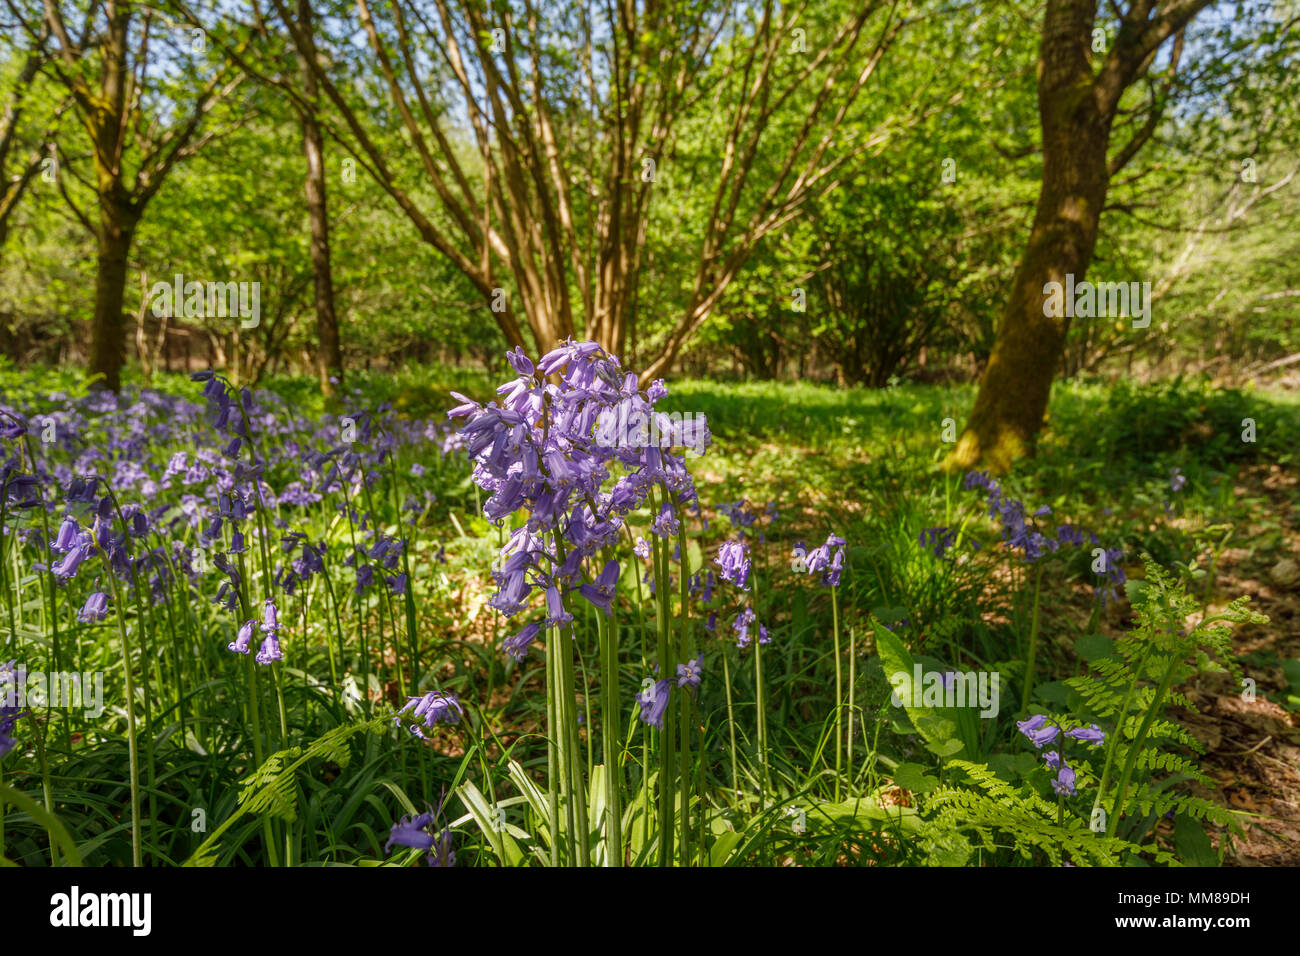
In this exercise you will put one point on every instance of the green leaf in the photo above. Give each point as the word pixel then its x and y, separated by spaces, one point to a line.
pixel 1135 588
pixel 945 748
pixel 1054 692
pixel 1092 647
pixel 1193 843
pixel 912 776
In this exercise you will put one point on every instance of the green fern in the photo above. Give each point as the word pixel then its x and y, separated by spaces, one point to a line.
pixel 272 787
pixel 990 810
pixel 1131 691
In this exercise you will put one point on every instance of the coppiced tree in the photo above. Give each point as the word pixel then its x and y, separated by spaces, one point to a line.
pixel 573 113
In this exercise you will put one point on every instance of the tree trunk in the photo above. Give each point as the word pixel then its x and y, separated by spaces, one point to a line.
pixel 1014 389
pixel 1077 105
pixel 329 355
pixel 108 329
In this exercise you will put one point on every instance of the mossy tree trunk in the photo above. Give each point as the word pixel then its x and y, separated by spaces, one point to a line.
pixel 108 329
pixel 1077 105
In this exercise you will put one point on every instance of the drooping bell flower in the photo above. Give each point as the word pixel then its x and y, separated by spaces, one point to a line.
pixel 557 616
pixel 66 539
pixel 270 650
pixel 1063 783
pixel 240 644
pixel 95 608
pixel 602 593
pixel 411 832
pixel 733 559
pixel 1092 734
pixel 433 708
pixel 654 703
pixel 270 617
pixel 1038 730
pixel 517 645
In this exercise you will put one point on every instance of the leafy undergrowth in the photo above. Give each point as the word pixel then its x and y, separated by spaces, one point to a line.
pixel 1088 583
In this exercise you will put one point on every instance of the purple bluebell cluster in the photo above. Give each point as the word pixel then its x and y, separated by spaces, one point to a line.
pixel 938 541
pixel 733 559
pixel 435 707
pixel 539 453
pixel 116 506
pixel 1041 730
pixel 655 694
pixel 743 624
pixel 270 650
pixel 828 558
pixel 1021 532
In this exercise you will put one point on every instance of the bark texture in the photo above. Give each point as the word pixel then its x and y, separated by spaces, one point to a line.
pixel 1077 106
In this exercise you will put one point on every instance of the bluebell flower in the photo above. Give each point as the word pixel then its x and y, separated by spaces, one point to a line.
pixel 270 650
pixel 518 644
pixel 602 593
pixel 654 703
pixel 66 539
pixel 67 566
pixel 744 621
pixel 1038 730
pixel 411 832
pixel 95 608
pixel 240 644
pixel 557 616
pixel 733 560
pixel 432 708
pixel 1092 734
pixel 1063 783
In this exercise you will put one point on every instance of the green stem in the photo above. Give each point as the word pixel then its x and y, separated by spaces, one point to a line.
pixel 839 691
pixel 607 634
pixel 1118 734
pixel 137 857
pixel 1161 689
pixel 1033 646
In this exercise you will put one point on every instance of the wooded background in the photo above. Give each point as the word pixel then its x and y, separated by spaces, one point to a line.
pixel 843 190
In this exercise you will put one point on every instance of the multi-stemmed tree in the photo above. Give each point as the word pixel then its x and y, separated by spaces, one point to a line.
pixel 539 135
